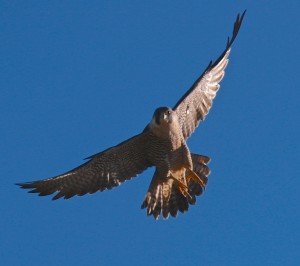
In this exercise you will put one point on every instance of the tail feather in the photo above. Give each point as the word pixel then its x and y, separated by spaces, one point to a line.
pixel 164 196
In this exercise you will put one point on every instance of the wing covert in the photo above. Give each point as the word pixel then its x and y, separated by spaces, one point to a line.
pixel 197 101
pixel 104 170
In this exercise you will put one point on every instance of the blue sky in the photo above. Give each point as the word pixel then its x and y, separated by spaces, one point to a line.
pixel 78 77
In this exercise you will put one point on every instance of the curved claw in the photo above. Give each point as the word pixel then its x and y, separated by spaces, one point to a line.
pixel 183 188
pixel 190 174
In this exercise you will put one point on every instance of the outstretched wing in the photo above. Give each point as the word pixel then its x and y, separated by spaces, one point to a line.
pixel 104 170
pixel 197 101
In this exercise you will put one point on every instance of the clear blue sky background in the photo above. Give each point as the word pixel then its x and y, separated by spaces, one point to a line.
pixel 77 77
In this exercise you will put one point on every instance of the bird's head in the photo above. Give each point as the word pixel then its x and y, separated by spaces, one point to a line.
pixel 163 116
pixel 164 122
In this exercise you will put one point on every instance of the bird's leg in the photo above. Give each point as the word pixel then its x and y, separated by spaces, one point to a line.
pixel 183 188
pixel 190 174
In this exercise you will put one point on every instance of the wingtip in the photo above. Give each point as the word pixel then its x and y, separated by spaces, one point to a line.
pixel 25 185
pixel 243 14
pixel 240 18
pixel 237 25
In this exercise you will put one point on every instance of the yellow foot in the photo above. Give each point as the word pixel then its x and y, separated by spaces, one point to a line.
pixel 182 187
pixel 190 174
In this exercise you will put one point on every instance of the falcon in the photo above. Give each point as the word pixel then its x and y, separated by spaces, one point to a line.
pixel 179 175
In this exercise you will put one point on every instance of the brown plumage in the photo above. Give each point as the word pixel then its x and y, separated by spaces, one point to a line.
pixel 179 176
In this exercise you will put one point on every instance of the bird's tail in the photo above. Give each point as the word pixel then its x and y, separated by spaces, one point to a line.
pixel 167 195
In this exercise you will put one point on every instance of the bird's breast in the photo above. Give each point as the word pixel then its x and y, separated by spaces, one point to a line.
pixel 168 152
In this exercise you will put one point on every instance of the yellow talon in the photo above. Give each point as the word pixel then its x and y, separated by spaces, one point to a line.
pixel 190 174
pixel 183 188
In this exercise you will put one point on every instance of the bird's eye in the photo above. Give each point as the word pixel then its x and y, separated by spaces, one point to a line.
pixel 169 112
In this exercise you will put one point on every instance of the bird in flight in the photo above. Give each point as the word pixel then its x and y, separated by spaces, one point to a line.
pixel 179 176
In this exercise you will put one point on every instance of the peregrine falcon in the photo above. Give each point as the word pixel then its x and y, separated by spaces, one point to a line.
pixel 179 176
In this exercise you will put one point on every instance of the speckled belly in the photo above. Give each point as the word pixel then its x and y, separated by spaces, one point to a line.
pixel 169 154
